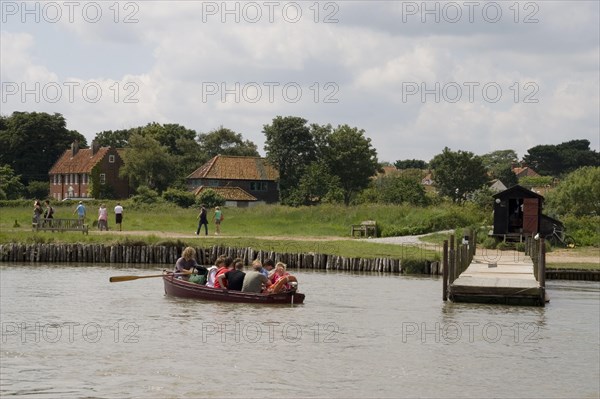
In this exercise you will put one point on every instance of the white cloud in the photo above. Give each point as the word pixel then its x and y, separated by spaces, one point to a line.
pixel 171 54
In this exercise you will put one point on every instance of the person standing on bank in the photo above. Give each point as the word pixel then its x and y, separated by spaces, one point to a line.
pixel 80 210
pixel 218 218
pixel 103 218
pixel 119 215
pixel 202 220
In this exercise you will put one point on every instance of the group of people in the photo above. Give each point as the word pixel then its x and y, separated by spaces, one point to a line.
pixel 38 211
pixel 102 215
pixel 228 273
pixel 202 218
pixel 80 210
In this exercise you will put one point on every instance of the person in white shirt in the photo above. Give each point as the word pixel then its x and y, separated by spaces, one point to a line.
pixel 119 215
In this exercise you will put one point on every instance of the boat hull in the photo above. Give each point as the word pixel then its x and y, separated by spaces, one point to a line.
pixel 185 289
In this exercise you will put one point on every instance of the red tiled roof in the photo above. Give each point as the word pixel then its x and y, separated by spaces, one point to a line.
pixel 229 193
pixel 82 162
pixel 236 168
pixel 524 171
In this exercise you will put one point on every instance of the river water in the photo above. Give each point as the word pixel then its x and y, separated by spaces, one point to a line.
pixel 68 332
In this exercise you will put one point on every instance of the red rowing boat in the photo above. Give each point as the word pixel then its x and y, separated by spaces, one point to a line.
pixel 185 289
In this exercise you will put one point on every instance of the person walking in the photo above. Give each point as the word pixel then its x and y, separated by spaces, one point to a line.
pixel 119 215
pixel 218 218
pixel 202 220
pixel 103 218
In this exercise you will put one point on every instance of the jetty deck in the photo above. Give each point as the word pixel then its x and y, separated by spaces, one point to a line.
pixel 503 281
pixel 511 278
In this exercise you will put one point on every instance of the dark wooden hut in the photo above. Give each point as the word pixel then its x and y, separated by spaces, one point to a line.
pixel 518 212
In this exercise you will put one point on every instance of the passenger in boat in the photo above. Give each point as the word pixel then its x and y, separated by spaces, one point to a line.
pixel 212 272
pixel 234 277
pixel 269 266
pixel 223 268
pixel 187 263
pixel 255 281
pixel 279 273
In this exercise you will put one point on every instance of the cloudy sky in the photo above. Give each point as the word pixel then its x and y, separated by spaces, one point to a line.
pixel 416 76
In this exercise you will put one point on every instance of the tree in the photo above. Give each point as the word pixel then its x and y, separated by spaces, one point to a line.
pixel 37 189
pixel 578 194
pixel 410 164
pixel 351 158
pixel 399 190
pixel 506 176
pixel 117 138
pixel 496 161
pixel 10 184
pixel 224 141
pixel 316 185
pixel 148 163
pixel 31 143
pixel 457 174
pixel 557 160
pixel 290 148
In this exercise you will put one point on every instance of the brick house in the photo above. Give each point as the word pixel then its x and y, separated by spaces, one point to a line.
pixel 78 172
pixel 252 177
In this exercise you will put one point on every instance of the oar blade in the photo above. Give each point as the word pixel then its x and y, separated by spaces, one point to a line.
pixel 117 279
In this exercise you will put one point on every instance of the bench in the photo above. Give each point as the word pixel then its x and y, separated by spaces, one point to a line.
pixel 60 225
pixel 368 228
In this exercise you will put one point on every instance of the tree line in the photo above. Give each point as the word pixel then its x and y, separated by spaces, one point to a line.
pixel 316 163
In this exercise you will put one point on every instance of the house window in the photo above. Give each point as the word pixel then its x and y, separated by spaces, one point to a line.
pixel 258 186
pixel 76 177
pixel 102 178
pixel 84 178
pixel 111 159
pixel 59 179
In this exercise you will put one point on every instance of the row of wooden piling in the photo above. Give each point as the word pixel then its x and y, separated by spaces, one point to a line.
pixel 159 254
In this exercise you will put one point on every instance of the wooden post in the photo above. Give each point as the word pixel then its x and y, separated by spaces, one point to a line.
pixel 445 272
pixel 542 271
pixel 452 265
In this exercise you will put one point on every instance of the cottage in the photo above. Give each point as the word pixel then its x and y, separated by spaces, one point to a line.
pixel 240 179
pixel 88 172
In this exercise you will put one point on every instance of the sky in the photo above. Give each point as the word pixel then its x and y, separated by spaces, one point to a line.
pixel 416 76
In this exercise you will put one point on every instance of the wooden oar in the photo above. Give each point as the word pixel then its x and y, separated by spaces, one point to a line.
pixel 117 279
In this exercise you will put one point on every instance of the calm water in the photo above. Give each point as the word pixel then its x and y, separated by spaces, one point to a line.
pixel 68 332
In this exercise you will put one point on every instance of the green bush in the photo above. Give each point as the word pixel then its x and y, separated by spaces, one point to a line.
pixel 490 243
pixel 210 199
pixel 184 199
pixel 38 190
pixel 145 195
pixel 520 246
pixel 584 230
pixel 503 246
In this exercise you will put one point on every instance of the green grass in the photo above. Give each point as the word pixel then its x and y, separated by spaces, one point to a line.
pixel 572 266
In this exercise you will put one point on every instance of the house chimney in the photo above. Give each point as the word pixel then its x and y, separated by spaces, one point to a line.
pixel 74 148
pixel 95 147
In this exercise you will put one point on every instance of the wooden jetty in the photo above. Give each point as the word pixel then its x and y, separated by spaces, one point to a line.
pixel 477 278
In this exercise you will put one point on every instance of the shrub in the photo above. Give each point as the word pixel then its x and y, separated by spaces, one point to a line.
pixel 145 195
pixel 210 199
pixel 520 246
pixel 489 243
pixel 38 189
pixel 502 246
pixel 184 199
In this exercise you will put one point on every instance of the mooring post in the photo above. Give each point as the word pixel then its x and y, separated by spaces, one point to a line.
pixel 445 272
pixel 542 271
pixel 452 265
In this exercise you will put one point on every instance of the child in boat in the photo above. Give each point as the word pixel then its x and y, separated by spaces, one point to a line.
pixel 279 274
pixel 212 272
pixel 220 280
